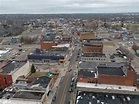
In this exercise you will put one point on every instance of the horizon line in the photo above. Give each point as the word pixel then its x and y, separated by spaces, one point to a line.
pixel 72 13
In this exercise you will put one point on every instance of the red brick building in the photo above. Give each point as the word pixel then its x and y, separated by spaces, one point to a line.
pixel 10 72
pixel 86 76
pixel 47 45
pixel 94 47
pixel 107 73
pixel 86 35
pixel 128 80
pixel 5 80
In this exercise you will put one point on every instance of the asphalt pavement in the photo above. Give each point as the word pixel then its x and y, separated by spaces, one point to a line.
pixel 62 93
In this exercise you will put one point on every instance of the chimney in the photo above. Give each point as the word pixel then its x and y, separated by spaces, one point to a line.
pixel 129 65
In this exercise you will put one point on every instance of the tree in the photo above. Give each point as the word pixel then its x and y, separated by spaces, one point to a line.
pixel 33 70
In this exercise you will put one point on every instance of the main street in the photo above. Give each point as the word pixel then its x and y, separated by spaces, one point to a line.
pixel 62 94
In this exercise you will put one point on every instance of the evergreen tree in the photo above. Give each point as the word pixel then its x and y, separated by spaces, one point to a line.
pixel 33 70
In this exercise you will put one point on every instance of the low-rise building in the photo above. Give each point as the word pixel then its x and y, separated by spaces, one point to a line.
pixel 33 90
pixel 48 56
pixel 48 45
pixel 107 73
pixel 86 35
pixel 11 71
pixel 87 76
pixel 93 47
pixel 93 57
pixel 61 47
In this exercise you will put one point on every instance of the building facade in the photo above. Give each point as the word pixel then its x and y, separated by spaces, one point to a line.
pixel 47 45
pixel 94 48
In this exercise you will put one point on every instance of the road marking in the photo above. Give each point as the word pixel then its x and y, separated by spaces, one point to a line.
pixel 64 90
pixel 67 80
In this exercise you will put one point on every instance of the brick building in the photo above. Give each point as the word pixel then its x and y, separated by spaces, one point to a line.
pixel 94 48
pixel 11 71
pixel 87 76
pixel 47 45
pixel 86 35
pixel 93 57
pixel 119 75
pixel 107 73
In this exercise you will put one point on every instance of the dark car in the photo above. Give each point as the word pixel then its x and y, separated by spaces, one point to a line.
pixel 70 102
pixel 70 90
pixel 113 60
pixel 69 70
pixel 71 84
pixel 54 98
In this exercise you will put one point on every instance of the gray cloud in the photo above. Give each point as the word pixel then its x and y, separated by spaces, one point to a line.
pixel 68 6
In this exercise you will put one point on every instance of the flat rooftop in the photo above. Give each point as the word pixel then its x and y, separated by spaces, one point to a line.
pixel 107 88
pixel 93 55
pixel 28 95
pixel 50 53
pixel 11 66
pixel 86 73
pixel 16 101
pixel 93 44
pixel 105 68
pixel 84 97
pixel 86 65
pixel 110 71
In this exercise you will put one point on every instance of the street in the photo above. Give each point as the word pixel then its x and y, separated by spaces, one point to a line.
pixel 62 94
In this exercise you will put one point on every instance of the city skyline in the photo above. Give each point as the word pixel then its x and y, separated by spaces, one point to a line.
pixel 67 6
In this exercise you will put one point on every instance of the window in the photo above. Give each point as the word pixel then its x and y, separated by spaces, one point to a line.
pixel 5 80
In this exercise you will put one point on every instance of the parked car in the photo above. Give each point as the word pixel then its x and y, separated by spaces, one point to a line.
pixel 71 84
pixel 72 79
pixel 69 70
pixel 54 98
pixel 70 90
pixel 70 102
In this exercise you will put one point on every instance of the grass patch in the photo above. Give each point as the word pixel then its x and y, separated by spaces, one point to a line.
pixel 38 74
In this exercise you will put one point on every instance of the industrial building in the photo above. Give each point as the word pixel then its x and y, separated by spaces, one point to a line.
pixel 107 73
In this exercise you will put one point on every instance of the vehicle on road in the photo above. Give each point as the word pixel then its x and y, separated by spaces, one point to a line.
pixel 72 79
pixel 70 90
pixel 54 98
pixel 70 102
pixel 71 84
pixel 69 70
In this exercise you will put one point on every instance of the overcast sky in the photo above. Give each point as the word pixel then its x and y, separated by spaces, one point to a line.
pixel 68 6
